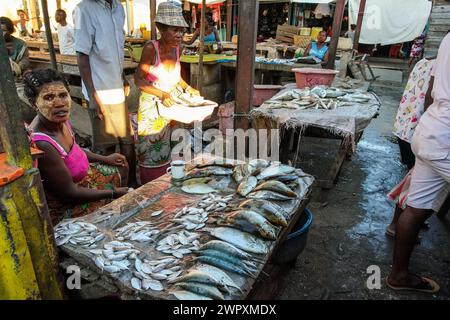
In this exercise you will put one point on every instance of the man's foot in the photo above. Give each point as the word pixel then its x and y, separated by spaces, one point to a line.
pixel 413 283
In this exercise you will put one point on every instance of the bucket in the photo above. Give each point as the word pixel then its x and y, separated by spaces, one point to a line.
pixel 150 174
pixel 295 242
pixel 262 93
pixel 310 77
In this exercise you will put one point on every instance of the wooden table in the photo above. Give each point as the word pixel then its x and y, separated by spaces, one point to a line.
pixel 161 194
pixel 40 44
pixel 68 63
pixel 292 130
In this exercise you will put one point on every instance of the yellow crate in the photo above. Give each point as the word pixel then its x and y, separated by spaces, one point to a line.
pixel 302 41
pixel 305 31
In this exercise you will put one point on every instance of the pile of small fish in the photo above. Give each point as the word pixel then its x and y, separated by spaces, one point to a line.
pixel 79 233
pixel 179 244
pixel 148 274
pixel 142 231
pixel 316 98
pixel 115 257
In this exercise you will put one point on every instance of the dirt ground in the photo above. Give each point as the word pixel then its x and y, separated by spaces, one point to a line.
pixel 347 234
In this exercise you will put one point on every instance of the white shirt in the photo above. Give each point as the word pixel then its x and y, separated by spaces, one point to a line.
pixel 66 39
pixel 434 126
pixel 99 33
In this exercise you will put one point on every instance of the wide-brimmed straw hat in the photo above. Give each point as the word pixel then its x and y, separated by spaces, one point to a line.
pixel 170 14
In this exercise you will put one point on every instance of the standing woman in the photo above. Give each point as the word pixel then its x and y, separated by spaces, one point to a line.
pixel 159 78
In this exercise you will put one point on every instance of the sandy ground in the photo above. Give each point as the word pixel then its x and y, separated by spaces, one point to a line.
pixel 347 235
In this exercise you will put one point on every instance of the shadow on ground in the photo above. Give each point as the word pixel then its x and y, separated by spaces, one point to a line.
pixel 347 235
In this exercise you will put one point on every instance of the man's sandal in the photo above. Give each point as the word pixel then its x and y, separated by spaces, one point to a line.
pixel 426 285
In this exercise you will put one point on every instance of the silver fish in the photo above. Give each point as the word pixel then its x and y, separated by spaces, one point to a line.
pixel 242 240
pixel 247 185
pixel 268 195
pixel 275 170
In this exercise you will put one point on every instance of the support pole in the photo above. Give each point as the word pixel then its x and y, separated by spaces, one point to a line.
pixel 34 15
pixel 202 47
pixel 128 9
pixel 48 33
pixel 28 261
pixel 245 73
pixel 152 19
pixel 229 19
pixel 337 24
pixel 362 7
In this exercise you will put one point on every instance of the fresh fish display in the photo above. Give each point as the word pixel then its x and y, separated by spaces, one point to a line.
pixel 214 203
pixel 208 279
pixel 218 274
pixel 247 185
pixel 201 289
pixel 217 163
pixel 142 231
pixel 227 248
pixel 188 295
pixel 243 264
pixel 276 186
pixel 226 265
pixel 242 240
pixel 267 209
pixel 268 195
pixel 78 233
pixel 238 175
pixel 218 171
pixel 198 189
pixel 251 222
pixel 179 244
pixel 259 163
pixel 274 171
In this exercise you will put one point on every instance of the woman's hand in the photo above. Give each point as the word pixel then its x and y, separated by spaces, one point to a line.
pixel 192 91
pixel 167 100
pixel 121 192
pixel 116 159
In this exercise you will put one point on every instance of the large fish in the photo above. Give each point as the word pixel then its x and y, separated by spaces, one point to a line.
pixel 252 222
pixel 267 209
pixel 247 185
pixel 225 265
pixel 205 278
pixel 268 195
pixel 275 170
pixel 226 248
pixel 242 240
pixel 201 289
pixel 276 186
pixel 187 295
pixel 242 263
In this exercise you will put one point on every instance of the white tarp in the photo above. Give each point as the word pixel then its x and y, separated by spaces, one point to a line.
pixel 388 22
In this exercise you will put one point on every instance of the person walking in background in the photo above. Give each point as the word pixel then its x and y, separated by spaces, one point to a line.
pixel 65 33
pixel 351 33
pixel 430 177
pixel 99 44
pixel 23 24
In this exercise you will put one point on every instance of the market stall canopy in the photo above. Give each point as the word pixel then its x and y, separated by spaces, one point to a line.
pixel 387 22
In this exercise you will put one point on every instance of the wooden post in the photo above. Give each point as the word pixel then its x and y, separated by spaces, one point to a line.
pixel 152 19
pixel 202 47
pixel 245 73
pixel 337 24
pixel 362 7
pixel 48 32
pixel 34 15
pixel 229 19
pixel 28 262
pixel 58 4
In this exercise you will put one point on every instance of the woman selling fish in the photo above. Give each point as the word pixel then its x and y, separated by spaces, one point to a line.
pixel 159 78
pixel 76 181
pixel 318 49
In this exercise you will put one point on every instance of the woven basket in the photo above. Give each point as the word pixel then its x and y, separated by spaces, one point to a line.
pixel 302 41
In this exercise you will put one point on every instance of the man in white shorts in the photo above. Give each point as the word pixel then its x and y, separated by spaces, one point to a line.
pixel 430 177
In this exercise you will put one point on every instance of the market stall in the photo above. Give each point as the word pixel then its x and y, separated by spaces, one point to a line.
pixel 339 112
pixel 161 240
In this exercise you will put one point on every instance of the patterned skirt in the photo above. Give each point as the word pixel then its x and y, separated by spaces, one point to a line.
pixel 100 177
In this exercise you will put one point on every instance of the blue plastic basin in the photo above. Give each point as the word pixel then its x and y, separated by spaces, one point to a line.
pixel 295 242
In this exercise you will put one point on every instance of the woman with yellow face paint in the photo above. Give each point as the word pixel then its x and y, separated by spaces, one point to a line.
pixel 76 181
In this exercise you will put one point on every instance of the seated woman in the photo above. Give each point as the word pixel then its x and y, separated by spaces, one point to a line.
pixel 76 181
pixel 159 78
pixel 319 49
pixel 211 34
pixel 17 48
